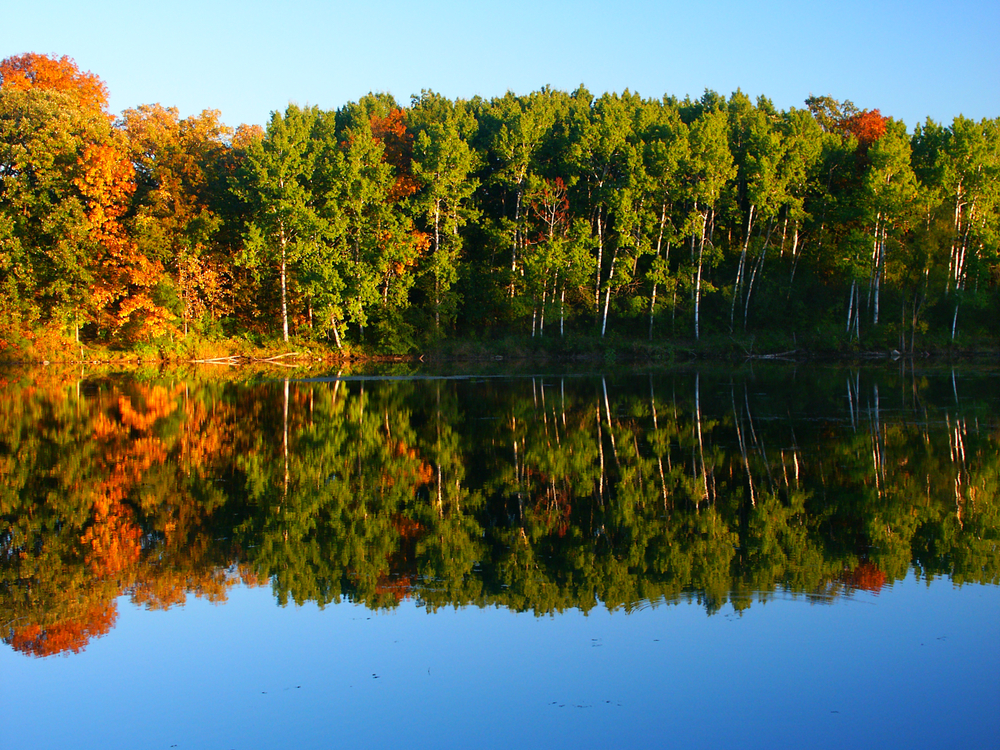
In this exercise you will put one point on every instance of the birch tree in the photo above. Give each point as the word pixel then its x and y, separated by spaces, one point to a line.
pixel 709 167
pixel 286 223
pixel 890 190
pixel 665 147
pixel 969 173
pixel 443 162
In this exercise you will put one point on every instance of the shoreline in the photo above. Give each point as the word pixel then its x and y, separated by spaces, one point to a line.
pixel 512 352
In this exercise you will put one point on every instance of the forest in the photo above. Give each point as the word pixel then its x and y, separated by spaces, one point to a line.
pixel 388 228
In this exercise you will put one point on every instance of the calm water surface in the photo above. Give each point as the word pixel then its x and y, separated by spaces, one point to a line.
pixel 774 557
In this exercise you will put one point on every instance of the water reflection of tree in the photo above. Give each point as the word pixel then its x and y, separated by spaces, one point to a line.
pixel 537 494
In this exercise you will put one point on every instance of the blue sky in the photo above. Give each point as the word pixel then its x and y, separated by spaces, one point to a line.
pixel 911 60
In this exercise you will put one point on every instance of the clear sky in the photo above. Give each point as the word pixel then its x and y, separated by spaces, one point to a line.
pixel 911 60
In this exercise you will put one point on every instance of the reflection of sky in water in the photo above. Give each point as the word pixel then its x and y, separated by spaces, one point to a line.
pixel 914 666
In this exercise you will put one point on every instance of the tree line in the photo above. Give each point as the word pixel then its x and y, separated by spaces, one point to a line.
pixel 387 227
pixel 535 494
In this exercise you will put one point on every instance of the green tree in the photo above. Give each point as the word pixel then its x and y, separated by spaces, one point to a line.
pixel 444 161
pixel 708 169
pixel 890 191
pixel 665 151
pixel 286 225
pixel 600 154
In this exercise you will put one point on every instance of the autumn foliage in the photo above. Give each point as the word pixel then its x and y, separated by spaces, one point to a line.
pixel 867 126
pixel 398 144
pixel 388 229
pixel 157 490
pixel 865 577
pixel 70 635
pixel 33 71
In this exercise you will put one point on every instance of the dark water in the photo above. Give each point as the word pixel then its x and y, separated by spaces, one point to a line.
pixel 768 557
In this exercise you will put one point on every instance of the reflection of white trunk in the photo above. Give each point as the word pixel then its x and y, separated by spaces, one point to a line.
pixel 878 447
pixel 562 399
pixel 659 458
pixel 701 444
pixel 437 448
pixel 738 419
pixel 850 404
pixel 607 408
pixel 956 444
pixel 285 437
pixel 600 452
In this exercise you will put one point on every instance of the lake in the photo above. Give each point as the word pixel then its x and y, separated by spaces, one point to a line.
pixel 767 556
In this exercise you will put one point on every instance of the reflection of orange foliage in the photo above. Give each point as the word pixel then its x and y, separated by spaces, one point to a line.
pixel 398 587
pixel 68 635
pixel 252 578
pixel 128 493
pixel 209 435
pixel 159 403
pixel 161 589
pixel 423 472
pixel 114 540
pixel 164 588
pixel 866 577
pixel 407 528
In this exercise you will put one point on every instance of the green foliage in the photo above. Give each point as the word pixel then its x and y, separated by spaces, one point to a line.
pixel 537 494
pixel 391 227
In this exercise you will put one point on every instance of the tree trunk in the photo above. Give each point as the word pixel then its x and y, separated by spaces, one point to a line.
pixel 607 293
pixel 659 246
pixel 600 260
pixel 437 270
pixel 697 283
pixel 756 270
pixel 541 320
pixel 562 310
pixel 739 268
pixel 336 333
pixel 652 309
pixel 517 240
pixel 284 287
pixel 850 307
